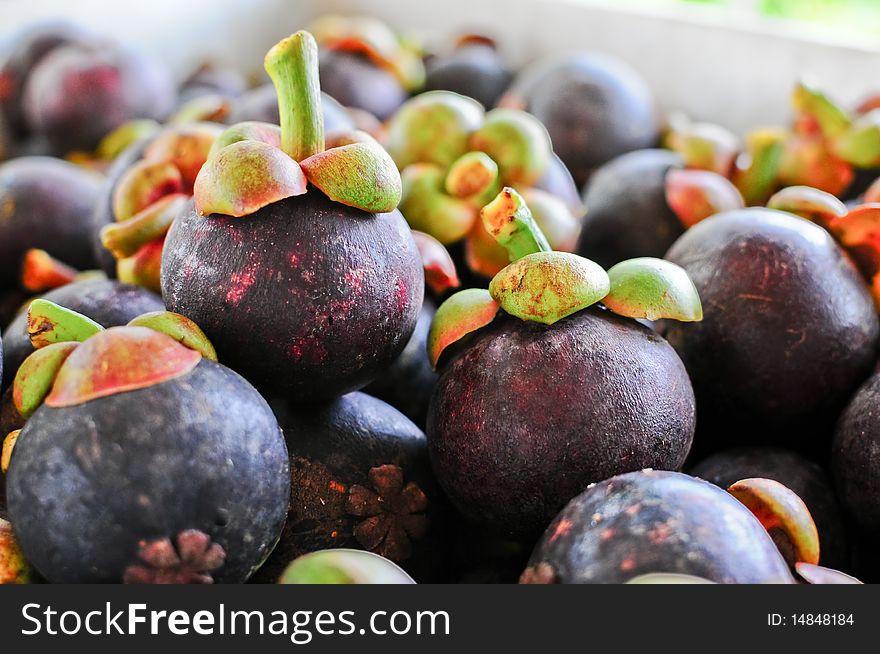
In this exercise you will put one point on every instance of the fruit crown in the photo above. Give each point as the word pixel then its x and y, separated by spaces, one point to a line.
pixel 252 165
pixel 77 360
pixel 454 157
pixel 545 286
pixel 856 229
pixel 365 35
pixel 150 194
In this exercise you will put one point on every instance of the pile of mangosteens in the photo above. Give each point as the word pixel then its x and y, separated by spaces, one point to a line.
pixel 402 313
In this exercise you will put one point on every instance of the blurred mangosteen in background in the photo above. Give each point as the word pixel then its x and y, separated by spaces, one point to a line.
pixel 295 261
pixel 594 107
pixel 473 68
pixel 541 393
pixel 365 65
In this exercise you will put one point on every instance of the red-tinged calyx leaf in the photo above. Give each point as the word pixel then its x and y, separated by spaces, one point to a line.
pixel 784 516
pixel 546 287
pixel 461 314
pixel 705 146
pixel 433 127
pixel 144 267
pixel 808 161
pixel 860 144
pixel 36 376
pixel 41 272
pixel 186 147
pixel 473 173
pixel 14 568
pixel 6 451
pixel 757 168
pixel 517 142
pixel 653 289
pixel 872 193
pixel 339 138
pixel 483 255
pixel 49 323
pixel 694 195
pixel 343 566
pixel 247 131
pixel 118 360
pixel 360 175
pixel 440 273
pixel 126 238
pixel 859 232
pixel 810 203
pixel 180 328
pixel 245 177
pixel 143 184
pixel 428 208
pixel 292 64
pixel 510 222
pixel 816 574
pixel 831 118
pixel 210 107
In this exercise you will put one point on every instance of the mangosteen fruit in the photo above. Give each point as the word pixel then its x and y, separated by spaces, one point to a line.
pixel 360 478
pixel 802 476
pixel 594 107
pixel 343 566
pixel 213 78
pixel 79 92
pixel 639 203
pixel 655 521
pixel 855 457
pixel 307 294
pixel 790 329
pixel 473 68
pixel 365 65
pixel 408 382
pixel 543 393
pixel 45 203
pixel 142 460
pixel 109 303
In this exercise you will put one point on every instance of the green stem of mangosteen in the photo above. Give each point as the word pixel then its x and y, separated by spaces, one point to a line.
pixel 49 323
pixel 293 66
pixel 508 219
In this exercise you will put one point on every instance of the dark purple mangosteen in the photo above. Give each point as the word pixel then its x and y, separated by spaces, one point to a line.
pixel 802 476
pixel 651 522
pixel 213 78
pixel 303 273
pixel 360 478
pixel 639 203
pixel 107 302
pixel 594 107
pixel 45 203
pixel 547 393
pixel 790 329
pixel 142 459
pixel 78 93
pixel 473 68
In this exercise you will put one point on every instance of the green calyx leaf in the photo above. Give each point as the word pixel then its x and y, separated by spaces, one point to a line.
pixel 652 289
pixel 433 127
pixel 129 132
pixel 49 323
pixel 360 175
pixel 517 142
pixel 343 566
pixel 508 219
pixel 126 238
pixel 831 118
pixel 428 208
pixel 247 131
pixel 36 376
pixel 180 328
pixel 756 179
pixel 462 313
pixel 859 145
pixel 473 173
pixel 546 287
pixel 809 203
pixel 667 578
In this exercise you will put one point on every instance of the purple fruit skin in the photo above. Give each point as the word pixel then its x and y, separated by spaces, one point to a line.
pixel 355 81
pixel 45 203
pixel 307 298
pixel 627 213
pixel 472 69
pixel 527 415
pixel 789 328
pixel 594 107
pixel 80 93
pixel 657 521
